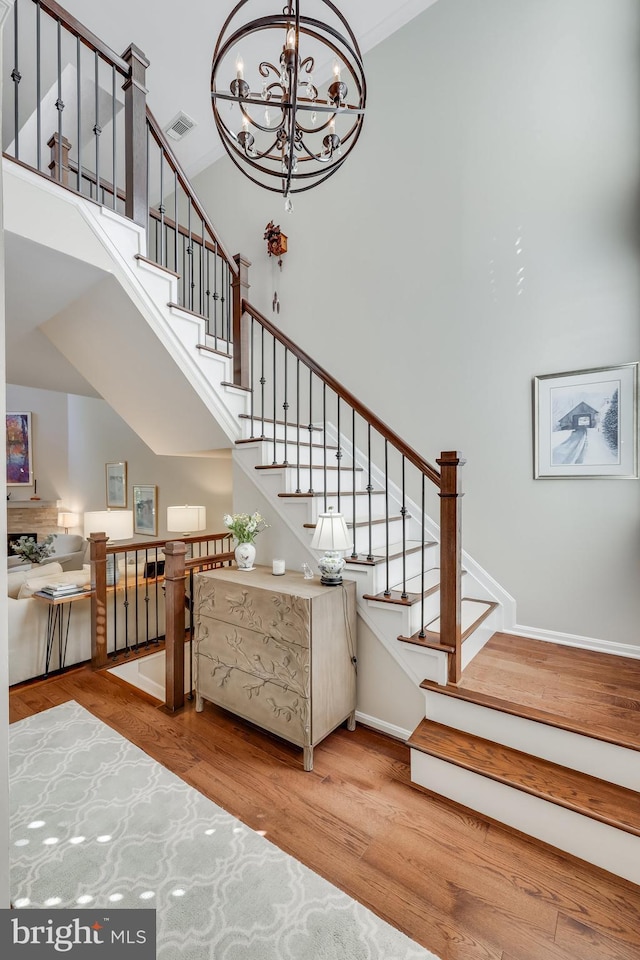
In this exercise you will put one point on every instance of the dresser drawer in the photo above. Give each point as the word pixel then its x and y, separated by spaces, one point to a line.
pixel 221 646
pixel 268 704
pixel 279 615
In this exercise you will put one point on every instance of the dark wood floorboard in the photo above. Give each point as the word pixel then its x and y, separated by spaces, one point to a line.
pixel 461 885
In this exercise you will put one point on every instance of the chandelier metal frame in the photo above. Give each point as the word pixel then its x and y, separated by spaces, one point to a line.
pixel 311 134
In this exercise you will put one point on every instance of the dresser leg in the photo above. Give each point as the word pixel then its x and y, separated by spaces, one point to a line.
pixel 351 721
pixel 199 704
pixel 308 759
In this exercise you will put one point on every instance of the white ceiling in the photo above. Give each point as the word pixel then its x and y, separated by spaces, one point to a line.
pixel 179 38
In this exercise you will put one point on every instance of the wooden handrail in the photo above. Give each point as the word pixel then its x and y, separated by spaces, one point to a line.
pixel 174 163
pixel 385 431
pixel 82 33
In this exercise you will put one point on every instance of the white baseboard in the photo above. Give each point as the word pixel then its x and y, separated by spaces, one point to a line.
pixel 573 640
pixel 389 728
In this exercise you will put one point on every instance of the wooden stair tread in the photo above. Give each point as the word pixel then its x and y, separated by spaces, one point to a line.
pixel 160 266
pixel 592 692
pixel 289 443
pixel 345 494
pixel 280 423
pixel 307 466
pixel 597 799
pixel 358 523
pixel 489 607
pixel 413 594
pixel 527 712
pixel 395 552
pixel 218 353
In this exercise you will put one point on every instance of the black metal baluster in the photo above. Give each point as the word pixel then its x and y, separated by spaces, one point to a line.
pixel 285 405
pixel 338 451
pixel 163 252
pixel 324 443
pixel 421 634
pixel 97 129
pixel 387 591
pixel 403 512
pixel 202 270
pixel 262 379
pixel 252 364
pixel 113 123
pixel 175 219
pixel 310 424
pixel 216 297
pixel 225 301
pixel 38 96
pixel 370 493
pixel 354 552
pixel 208 296
pixel 275 391
pixel 146 596
pixel 185 255
pixel 59 100
pixel 298 490
pixel 190 253
pixel 16 76
pixel 79 113
pixel 191 626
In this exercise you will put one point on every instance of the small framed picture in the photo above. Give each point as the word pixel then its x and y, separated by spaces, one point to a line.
pixel 585 423
pixel 116 484
pixel 145 509
pixel 19 450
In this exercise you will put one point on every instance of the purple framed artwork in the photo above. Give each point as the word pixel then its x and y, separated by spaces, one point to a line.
pixel 19 450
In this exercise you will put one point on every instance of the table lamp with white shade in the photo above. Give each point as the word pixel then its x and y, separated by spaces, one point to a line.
pixel 117 524
pixel 332 536
pixel 186 519
pixel 67 519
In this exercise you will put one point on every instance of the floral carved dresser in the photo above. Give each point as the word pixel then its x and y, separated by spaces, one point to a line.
pixel 277 650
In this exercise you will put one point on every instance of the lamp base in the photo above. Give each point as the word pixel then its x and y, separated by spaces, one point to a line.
pixel 330 567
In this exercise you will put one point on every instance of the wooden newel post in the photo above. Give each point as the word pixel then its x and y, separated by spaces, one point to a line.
pixel 135 137
pixel 174 574
pixel 241 347
pixel 59 164
pixel 451 558
pixel 98 556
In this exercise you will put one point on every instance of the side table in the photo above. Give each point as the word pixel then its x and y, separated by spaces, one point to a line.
pixel 58 624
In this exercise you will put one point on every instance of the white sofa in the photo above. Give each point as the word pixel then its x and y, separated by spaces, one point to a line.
pixel 28 618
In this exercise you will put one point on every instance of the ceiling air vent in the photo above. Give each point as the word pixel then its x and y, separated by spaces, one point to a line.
pixel 179 126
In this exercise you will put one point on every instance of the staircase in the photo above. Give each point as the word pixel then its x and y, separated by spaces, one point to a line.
pixel 544 738
pixel 305 444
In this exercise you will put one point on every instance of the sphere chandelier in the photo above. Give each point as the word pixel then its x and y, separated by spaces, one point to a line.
pixel 288 94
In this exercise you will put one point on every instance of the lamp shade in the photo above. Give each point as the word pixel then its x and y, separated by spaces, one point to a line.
pixel 117 524
pixel 186 519
pixel 67 520
pixel 331 532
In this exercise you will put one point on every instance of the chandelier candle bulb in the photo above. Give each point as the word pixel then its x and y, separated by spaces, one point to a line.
pixel 239 69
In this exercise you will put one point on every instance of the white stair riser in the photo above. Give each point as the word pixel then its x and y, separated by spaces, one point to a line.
pixel 257 430
pixel 595 842
pixel 302 455
pixel 606 761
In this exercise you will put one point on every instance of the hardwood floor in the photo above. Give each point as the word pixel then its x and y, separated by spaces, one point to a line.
pixel 463 886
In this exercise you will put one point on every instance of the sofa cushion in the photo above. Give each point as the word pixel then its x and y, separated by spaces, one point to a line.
pixel 16 578
pixel 68 543
pixel 33 584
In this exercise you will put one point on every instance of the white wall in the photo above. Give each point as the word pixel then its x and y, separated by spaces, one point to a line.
pixel 499 135
pixel 73 438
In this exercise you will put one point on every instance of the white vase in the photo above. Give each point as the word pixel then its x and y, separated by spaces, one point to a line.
pixel 245 554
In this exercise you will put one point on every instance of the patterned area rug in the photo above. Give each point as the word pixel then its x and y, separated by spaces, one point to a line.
pixel 96 822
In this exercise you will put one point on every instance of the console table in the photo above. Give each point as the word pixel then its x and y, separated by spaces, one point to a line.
pixel 277 650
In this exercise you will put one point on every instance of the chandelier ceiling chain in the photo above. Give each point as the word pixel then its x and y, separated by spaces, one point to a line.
pixel 279 127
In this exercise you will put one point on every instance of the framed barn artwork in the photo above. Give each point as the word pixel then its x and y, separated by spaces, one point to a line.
pixel 585 423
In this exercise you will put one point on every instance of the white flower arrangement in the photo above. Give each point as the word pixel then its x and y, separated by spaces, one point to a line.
pixel 245 528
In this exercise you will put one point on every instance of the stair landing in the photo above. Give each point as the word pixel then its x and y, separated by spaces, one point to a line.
pixel 594 693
